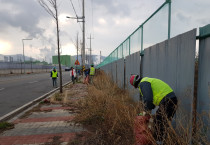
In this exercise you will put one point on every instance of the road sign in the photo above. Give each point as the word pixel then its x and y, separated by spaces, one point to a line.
pixel 83 68
pixel 77 62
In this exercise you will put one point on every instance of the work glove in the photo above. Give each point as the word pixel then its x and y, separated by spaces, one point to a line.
pixel 142 113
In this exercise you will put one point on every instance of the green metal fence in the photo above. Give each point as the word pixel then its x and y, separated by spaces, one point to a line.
pixel 155 29
pixel 172 18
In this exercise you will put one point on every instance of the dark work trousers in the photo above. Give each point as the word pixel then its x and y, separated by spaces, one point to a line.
pixel 54 80
pixel 73 79
pixel 91 79
pixel 165 113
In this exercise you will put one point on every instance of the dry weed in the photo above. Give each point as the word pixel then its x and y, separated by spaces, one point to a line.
pixel 110 113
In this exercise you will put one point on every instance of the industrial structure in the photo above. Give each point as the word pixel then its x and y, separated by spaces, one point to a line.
pixel 66 60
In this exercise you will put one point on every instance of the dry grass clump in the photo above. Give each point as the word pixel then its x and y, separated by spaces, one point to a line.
pixel 110 111
pixel 57 98
pixel 182 133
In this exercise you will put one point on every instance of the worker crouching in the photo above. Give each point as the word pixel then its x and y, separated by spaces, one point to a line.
pixel 155 92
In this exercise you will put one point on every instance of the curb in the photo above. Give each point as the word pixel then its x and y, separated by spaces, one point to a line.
pixel 26 106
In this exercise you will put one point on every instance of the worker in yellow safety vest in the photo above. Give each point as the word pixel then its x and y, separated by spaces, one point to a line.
pixel 54 75
pixel 92 73
pixel 154 92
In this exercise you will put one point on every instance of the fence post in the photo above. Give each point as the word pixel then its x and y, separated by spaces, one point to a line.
pixel 169 18
pixel 117 54
pixel 122 51
pixel 142 39
pixel 129 45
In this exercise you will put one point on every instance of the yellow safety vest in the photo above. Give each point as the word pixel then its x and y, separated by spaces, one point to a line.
pixel 159 89
pixel 92 71
pixel 54 74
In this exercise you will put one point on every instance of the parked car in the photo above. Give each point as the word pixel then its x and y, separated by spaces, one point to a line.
pixel 67 68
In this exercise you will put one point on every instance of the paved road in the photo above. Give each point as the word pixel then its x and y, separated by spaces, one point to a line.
pixel 16 91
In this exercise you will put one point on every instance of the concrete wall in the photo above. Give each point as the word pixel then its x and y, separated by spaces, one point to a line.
pixel 204 82
pixel 120 72
pixel 132 67
pixel 107 69
pixel 114 71
pixel 173 61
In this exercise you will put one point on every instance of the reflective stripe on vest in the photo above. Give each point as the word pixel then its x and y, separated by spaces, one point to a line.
pixel 54 74
pixel 159 89
pixel 92 71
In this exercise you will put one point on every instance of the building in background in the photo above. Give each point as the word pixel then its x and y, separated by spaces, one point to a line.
pixel 1 58
pixel 6 59
pixel 10 59
pixel 66 60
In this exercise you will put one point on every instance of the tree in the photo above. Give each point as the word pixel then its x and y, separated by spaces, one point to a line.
pixel 51 7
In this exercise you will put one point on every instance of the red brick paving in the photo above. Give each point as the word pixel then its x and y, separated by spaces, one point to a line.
pixel 41 138
pixel 46 119
pixel 35 139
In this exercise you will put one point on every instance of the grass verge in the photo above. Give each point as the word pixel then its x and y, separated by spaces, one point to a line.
pixel 5 126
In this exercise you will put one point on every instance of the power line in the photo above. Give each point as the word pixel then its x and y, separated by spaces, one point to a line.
pixel 73 8
pixel 79 6
pixel 75 12
pixel 92 16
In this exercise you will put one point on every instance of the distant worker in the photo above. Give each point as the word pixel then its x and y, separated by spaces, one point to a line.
pixel 155 92
pixel 92 73
pixel 73 74
pixel 86 79
pixel 54 75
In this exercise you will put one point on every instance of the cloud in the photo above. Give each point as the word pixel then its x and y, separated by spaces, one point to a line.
pixel 183 17
pixel 26 15
pixel 113 6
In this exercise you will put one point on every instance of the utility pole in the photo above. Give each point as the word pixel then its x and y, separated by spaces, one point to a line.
pixel 77 50
pixel 90 59
pixel 83 11
pixel 100 56
pixel 83 31
pixel 81 50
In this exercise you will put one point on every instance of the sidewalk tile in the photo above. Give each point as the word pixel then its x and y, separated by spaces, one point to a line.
pixel 47 119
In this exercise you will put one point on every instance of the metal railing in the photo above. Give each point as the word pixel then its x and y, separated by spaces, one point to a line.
pixel 148 33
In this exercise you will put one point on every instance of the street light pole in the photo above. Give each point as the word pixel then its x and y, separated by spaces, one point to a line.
pixel 23 52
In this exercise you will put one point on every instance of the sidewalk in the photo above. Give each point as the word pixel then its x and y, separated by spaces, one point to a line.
pixel 48 123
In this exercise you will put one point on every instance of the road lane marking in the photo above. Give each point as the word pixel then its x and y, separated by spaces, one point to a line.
pixel 2 89
pixel 33 82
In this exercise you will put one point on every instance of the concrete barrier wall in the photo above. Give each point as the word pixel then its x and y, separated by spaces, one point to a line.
pixel 132 66
pixel 204 82
pixel 114 71
pixel 120 72
pixel 173 61
pixel 107 69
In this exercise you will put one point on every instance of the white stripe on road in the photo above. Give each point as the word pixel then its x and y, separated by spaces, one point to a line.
pixel 33 82
pixel 2 89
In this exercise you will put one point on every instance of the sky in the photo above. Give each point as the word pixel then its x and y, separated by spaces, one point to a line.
pixel 109 22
